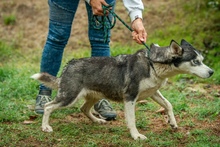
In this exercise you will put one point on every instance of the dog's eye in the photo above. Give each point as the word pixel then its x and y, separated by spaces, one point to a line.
pixel 196 62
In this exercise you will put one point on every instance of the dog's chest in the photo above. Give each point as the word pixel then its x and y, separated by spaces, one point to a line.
pixel 148 87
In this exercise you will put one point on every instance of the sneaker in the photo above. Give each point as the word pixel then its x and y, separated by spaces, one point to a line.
pixel 104 109
pixel 42 98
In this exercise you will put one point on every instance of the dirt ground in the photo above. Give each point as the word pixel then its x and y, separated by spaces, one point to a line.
pixel 31 26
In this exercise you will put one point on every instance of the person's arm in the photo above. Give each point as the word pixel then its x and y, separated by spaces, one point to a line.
pixel 135 8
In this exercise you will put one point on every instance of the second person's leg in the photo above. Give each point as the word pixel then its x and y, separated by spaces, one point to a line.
pixel 100 48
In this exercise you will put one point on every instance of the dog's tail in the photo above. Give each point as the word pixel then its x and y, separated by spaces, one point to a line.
pixel 47 79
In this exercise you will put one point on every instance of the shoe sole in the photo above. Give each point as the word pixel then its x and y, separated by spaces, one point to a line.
pixel 100 116
pixel 39 111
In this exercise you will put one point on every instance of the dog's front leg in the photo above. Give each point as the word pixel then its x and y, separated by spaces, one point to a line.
pixel 130 119
pixel 160 99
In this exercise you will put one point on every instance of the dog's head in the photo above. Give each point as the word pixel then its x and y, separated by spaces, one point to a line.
pixel 192 61
pixel 185 58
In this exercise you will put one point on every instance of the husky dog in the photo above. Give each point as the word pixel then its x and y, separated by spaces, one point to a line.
pixel 124 78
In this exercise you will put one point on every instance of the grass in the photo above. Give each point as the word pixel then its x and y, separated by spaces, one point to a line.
pixel 196 111
pixel 9 20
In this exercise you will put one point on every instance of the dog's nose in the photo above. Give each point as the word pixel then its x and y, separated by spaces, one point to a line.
pixel 211 72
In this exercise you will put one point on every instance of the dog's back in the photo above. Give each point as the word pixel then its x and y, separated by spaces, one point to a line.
pixel 111 76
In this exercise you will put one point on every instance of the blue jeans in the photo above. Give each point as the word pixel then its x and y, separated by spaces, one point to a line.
pixel 61 16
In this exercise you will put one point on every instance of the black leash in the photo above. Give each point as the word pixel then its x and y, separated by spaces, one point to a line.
pixel 106 24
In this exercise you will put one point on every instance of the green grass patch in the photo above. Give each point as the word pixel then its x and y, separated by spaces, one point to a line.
pixel 9 19
pixel 192 110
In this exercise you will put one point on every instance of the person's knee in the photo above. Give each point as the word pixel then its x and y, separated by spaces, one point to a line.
pixel 58 35
pixel 99 48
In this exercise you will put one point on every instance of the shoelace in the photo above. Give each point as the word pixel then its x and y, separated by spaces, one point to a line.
pixel 104 104
pixel 44 99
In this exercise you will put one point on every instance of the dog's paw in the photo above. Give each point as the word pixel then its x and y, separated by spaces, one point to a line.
pixel 174 127
pixel 139 137
pixel 170 121
pixel 47 128
pixel 100 121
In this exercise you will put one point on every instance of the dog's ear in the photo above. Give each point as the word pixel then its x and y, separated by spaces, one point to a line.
pixel 154 45
pixel 176 49
pixel 184 42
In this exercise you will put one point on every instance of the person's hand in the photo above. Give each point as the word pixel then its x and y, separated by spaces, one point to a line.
pixel 139 34
pixel 97 6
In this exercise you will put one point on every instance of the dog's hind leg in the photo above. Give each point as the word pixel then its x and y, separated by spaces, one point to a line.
pixel 66 97
pixel 48 109
pixel 86 109
pixel 130 118
pixel 160 99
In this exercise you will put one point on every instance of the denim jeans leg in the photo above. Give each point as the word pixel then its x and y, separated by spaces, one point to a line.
pixel 61 15
pixel 96 36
